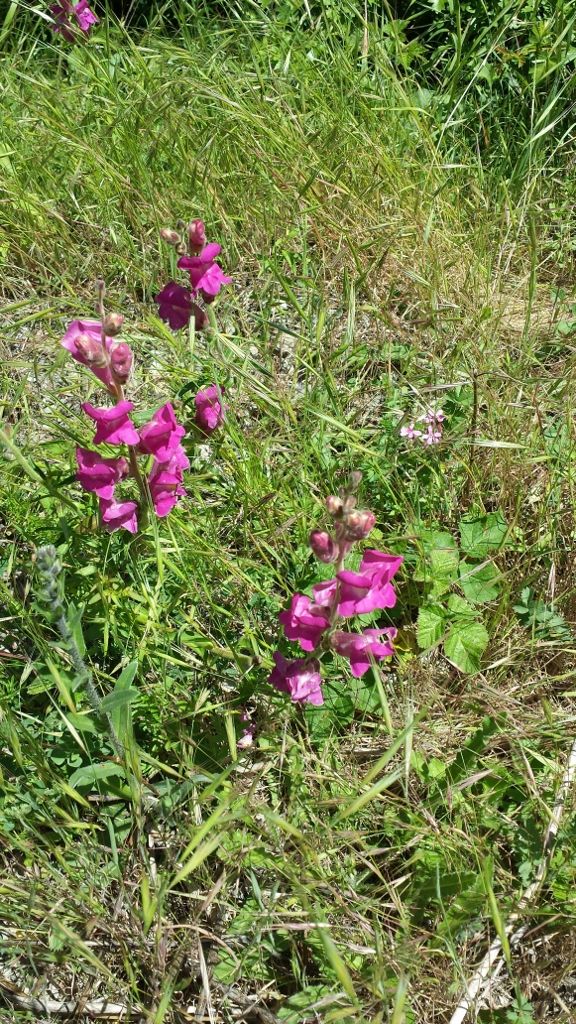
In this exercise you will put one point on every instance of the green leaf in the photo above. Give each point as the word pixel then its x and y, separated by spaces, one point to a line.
pixel 459 607
pixel 430 627
pixel 465 644
pixel 482 534
pixel 119 702
pixel 478 582
pixel 91 773
pixel 119 699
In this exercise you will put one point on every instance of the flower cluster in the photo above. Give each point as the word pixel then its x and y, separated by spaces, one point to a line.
pixel 151 455
pixel 71 21
pixel 432 434
pixel 315 623
pixel 177 304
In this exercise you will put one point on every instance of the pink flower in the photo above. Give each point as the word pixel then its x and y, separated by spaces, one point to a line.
pixel 302 624
pixel 323 546
pixel 83 340
pixel 112 424
pixel 84 16
pixel 410 432
pixel 206 276
pixel 432 436
pixel 379 564
pixel 64 14
pixel 359 646
pixel 119 515
pixel 99 475
pixel 162 435
pixel 360 594
pixel 196 235
pixel 247 738
pixel 121 362
pixel 209 409
pixel 175 306
pixel 299 678
pixel 165 482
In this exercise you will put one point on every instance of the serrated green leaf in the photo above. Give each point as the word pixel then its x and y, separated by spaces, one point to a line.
pixel 478 582
pixel 465 644
pixel 482 534
pixel 458 606
pixel 430 626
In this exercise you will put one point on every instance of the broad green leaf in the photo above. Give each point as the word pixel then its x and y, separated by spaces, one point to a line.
pixel 478 582
pixel 119 706
pixel 482 534
pixel 430 626
pixel 465 644
pixel 91 773
pixel 119 699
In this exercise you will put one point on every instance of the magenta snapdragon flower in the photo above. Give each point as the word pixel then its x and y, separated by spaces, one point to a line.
pixel 99 475
pixel 299 678
pixel 209 409
pixel 83 340
pixel 176 306
pixel 69 17
pixel 165 482
pixel 206 276
pixel 302 624
pixel 358 647
pixel 162 435
pixel 113 425
pixel 119 515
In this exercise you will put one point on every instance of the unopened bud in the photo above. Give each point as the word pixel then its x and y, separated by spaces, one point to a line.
pixel 170 236
pixel 323 546
pixel 350 502
pixel 355 479
pixel 121 362
pixel 334 505
pixel 200 317
pixel 196 235
pixel 113 324
pixel 359 523
pixel 91 350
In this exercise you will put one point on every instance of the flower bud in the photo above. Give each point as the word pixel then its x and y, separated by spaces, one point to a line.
pixel 113 324
pixel 359 523
pixel 170 236
pixel 350 502
pixel 355 479
pixel 121 362
pixel 323 546
pixel 196 236
pixel 91 350
pixel 334 505
pixel 200 317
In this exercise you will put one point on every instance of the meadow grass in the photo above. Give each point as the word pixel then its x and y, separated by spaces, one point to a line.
pixel 354 864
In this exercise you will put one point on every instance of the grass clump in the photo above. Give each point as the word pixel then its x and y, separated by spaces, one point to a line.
pixel 356 860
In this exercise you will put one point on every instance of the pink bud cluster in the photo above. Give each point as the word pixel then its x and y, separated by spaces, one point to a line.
pixel 72 21
pixel 152 454
pixel 432 434
pixel 177 304
pixel 315 623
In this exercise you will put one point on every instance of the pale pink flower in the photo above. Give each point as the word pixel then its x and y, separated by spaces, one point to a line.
pixel 299 678
pixel 113 425
pixel 247 738
pixel 119 515
pixel 301 624
pixel 410 432
pixel 358 647
pixel 162 435
pixel 83 340
pixel 432 436
pixel 209 409
pixel 99 475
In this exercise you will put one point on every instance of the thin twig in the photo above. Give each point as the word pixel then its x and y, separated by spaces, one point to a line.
pixel 493 961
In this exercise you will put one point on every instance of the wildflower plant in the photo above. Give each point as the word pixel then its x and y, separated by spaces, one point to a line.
pixel 430 431
pixel 316 623
pixel 179 304
pixel 152 455
pixel 73 21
